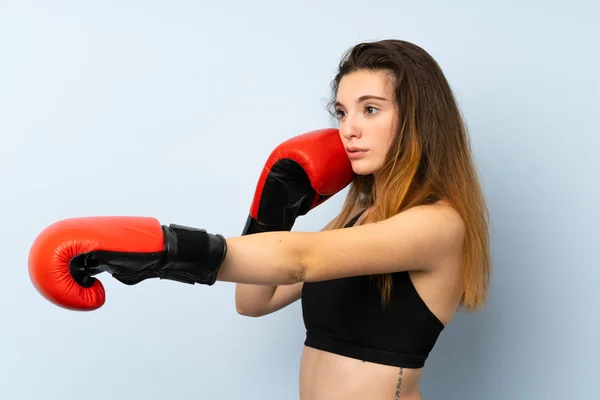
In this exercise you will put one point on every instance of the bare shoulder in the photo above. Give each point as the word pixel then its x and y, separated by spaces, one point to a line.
pixel 426 238
pixel 441 288
pixel 443 222
pixel 448 224
pixel 446 215
pixel 439 220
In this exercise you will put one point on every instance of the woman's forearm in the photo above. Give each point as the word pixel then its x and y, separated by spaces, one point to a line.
pixel 271 258
pixel 250 299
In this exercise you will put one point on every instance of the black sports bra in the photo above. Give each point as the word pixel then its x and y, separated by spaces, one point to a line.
pixel 345 316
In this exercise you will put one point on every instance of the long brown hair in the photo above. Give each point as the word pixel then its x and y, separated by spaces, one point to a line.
pixel 429 159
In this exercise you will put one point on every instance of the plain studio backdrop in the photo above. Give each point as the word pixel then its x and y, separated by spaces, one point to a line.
pixel 170 108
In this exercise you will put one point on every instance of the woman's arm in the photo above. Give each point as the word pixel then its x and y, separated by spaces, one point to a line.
pixel 269 258
pixel 421 238
pixel 259 300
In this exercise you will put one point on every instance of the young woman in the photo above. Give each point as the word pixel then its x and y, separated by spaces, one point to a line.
pixel 378 283
pixel 414 248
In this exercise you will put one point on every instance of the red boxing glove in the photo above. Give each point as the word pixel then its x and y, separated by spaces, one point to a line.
pixel 65 256
pixel 300 174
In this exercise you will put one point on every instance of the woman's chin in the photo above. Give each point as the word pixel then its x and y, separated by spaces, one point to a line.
pixel 362 168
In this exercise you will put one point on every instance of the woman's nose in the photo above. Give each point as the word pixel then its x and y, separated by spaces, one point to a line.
pixel 349 128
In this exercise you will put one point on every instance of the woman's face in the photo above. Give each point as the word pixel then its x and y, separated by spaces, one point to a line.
pixel 367 118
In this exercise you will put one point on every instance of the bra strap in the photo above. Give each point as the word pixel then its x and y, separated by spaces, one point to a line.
pixel 354 219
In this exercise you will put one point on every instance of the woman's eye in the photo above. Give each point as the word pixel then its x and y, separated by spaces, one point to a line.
pixel 371 109
pixel 339 113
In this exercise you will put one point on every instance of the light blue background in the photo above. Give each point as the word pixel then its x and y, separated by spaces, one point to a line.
pixel 170 108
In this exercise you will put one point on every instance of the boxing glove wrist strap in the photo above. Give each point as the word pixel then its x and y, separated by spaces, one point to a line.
pixel 192 255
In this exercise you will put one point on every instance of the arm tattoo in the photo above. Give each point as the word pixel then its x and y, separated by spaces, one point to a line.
pixel 398 386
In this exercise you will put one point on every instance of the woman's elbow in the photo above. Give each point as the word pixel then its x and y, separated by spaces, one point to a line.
pixel 247 310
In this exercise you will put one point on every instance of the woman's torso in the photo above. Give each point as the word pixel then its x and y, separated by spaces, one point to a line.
pixel 325 375
pixel 328 376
